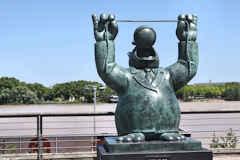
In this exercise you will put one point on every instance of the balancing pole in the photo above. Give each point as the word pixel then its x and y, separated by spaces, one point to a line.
pixel 134 21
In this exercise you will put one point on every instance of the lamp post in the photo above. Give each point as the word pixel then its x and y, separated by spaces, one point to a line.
pixel 94 89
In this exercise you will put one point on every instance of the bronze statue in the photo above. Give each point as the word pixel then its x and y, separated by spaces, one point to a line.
pixel 148 108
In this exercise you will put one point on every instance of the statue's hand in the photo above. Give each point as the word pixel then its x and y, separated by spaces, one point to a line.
pixel 187 27
pixel 105 28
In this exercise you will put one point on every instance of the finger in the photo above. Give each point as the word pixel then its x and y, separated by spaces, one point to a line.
pixel 192 19
pixel 113 22
pixel 103 18
pixel 111 17
pixel 193 26
pixel 181 22
pixel 180 29
pixel 95 21
pixel 195 19
pixel 113 28
pixel 181 25
pixel 192 35
pixel 187 22
pixel 189 17
pixel 181 17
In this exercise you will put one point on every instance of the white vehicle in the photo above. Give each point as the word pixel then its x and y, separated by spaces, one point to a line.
pixel 113 99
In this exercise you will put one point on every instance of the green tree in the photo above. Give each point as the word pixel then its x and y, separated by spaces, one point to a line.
pixel 103 96
pixel 40 90
pixel 6 82
pixel 75 89
pixel 232 91
pixel 22 94
pixel 6 96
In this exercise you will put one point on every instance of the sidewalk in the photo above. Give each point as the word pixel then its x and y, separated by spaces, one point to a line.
pixel 90 157
pixel 216 105
pixel 227 157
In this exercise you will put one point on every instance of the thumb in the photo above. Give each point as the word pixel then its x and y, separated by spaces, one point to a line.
pixel 95 22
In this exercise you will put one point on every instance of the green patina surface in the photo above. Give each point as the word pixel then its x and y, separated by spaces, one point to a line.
pixel 189 144
pixel 147 101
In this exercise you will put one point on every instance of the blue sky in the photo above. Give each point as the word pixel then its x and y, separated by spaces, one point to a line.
pixel 51 41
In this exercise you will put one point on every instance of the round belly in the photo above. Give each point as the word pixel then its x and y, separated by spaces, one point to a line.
pixel 147 111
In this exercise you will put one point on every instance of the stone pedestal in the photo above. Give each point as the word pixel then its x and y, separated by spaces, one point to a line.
pixel 188 149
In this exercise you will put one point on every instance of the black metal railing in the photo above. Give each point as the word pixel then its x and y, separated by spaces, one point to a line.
pixel 44 136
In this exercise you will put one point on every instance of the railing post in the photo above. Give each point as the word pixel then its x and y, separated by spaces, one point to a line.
pixel 56 144
pixel 94 118
pixel 20 144
pixel 39 136
pixel 93 137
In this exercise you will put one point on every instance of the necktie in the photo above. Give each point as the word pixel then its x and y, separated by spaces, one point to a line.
pixel 149 75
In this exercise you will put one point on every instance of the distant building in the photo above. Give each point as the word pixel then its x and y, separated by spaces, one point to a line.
pixel 113 99
pixel 82 99
pixel 212 83
pixel 71 99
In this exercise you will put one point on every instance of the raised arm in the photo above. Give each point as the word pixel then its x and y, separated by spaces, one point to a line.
pixel 105 31
pixel 186 67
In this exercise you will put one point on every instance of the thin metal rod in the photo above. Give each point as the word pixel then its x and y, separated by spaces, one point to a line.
pixel 94 118
pixel 38 138
pixel 56 145
pixel 147 21
pixel 41 136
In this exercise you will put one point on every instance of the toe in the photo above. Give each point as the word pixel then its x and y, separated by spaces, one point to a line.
pixel 167 137
pixel 183 137
pixel 120 139
pixel 133 137
pixel 180 137
pixel 127 139
pixel 171 138
pixel 138 139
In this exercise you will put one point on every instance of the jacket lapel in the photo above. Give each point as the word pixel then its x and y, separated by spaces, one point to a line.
pixel 159 78
pixel 139 77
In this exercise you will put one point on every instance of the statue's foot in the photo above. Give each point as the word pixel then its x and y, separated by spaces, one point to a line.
pixel 172 137
pixel 132 137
